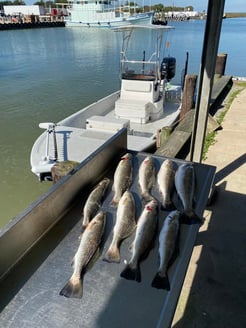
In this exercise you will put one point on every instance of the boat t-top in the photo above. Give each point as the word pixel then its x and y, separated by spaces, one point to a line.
pixel 145 103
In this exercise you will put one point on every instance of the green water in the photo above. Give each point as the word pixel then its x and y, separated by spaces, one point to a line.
pixel 47 74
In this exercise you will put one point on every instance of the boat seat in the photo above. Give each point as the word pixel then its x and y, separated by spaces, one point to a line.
pixel 105 123
pixel 135 111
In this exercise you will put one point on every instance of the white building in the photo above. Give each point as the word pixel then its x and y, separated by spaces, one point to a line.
pixel 24 10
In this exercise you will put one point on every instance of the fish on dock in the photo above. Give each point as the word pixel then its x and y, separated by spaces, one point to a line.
pixel 145 233
pixel 146 178
pixel 122 178
pixel 124 226
pixel 165 179
pixel 89 245
pixel 185 187
pixel 94 201
pixel 168 240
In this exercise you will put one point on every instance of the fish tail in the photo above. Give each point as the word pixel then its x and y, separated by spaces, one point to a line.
pixel 112 255
pixel 161 282
pixel 190 217
pixel 131 273
pixel 168 206
pixel 147 197
pixel 73 288
pixel 114 202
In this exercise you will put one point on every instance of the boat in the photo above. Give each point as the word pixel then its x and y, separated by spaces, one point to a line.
pixel 146 102
pixel 107 13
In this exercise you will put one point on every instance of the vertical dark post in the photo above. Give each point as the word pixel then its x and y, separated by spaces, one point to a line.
pixel 220 64
pixel 188 101
pixel 209 53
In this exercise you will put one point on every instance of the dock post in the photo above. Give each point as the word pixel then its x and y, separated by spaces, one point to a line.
pixel 220 64
pixel 188 101
pixel 206 76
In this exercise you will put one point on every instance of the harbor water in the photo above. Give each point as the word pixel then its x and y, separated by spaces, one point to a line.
pixel 47 74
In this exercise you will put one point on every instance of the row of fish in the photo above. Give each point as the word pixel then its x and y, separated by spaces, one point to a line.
pixel 146 226
pixel 182 179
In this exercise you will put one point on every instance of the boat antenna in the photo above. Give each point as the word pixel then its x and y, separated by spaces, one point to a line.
pixel 55 143
pixel 184 72
pixel 143 66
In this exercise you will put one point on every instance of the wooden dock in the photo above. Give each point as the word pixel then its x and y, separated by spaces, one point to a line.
pixel 178 142
pixel 21 26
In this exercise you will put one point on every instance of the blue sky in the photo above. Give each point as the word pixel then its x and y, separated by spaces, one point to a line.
pixel 198 5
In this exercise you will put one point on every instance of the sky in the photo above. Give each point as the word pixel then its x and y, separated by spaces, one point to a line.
pixel 198 5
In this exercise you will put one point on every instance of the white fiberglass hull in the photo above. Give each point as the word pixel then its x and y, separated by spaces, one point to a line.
pixel 117 22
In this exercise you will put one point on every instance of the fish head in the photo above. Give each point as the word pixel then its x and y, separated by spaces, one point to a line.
pixel 126 156
pixel 104 183
pixel 168 163
pixel 100 218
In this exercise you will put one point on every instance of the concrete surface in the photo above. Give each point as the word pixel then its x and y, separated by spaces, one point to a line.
pixel 214 290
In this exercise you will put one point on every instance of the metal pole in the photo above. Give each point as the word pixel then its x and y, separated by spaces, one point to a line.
pixel 208 60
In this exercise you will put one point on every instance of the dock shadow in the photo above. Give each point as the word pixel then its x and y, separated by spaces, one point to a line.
pixel 217 294
pixel 230 168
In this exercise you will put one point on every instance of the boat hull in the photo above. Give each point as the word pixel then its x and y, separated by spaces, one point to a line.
pixel 117 22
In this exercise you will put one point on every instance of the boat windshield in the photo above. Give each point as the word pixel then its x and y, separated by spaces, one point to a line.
pixel 147 65
pixel 132 70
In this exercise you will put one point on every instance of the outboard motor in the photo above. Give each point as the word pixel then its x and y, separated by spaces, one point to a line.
pixel 168 68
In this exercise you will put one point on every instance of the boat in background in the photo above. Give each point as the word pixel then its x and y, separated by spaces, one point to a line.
pixel 107 13
pixel 145 103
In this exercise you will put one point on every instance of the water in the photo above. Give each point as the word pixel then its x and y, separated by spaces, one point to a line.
pixel 47 74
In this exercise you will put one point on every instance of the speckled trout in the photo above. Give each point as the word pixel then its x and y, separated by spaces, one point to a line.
pixel 94 201
pixel 185 187
pixel 122 178
pixel 167 246
pixel 146 178
pixel 124 226
pixel 145 233
pixel 89 244
pixel 165 179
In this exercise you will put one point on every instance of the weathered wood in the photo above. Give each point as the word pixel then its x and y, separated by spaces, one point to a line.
pixel 188 95
pixel 182 133
pixel 212 124
pixel 162 136
pixel 220 64
pixel 174 144
pixel 186 124
pixel 61 169
pixel 208 60
pixel 221 87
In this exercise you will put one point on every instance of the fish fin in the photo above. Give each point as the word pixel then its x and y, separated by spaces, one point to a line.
pixel 131 273
pixel 161 282
pixel 92 261
pixel 112 255
pixel 73 288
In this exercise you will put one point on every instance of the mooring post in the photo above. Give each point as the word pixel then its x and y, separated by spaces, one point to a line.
pixel 188 100
pixel 220 64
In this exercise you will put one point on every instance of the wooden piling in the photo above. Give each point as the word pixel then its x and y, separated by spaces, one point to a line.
pixel 220 64
pixel 188 101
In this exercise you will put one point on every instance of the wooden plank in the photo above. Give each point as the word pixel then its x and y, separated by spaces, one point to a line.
pixel 186 124
pixel 174 144
pixel 219 86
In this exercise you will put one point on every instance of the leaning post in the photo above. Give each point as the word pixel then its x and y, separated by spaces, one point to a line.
pixel 207 69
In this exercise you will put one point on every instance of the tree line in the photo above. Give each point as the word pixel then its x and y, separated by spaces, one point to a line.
pixel 157 7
